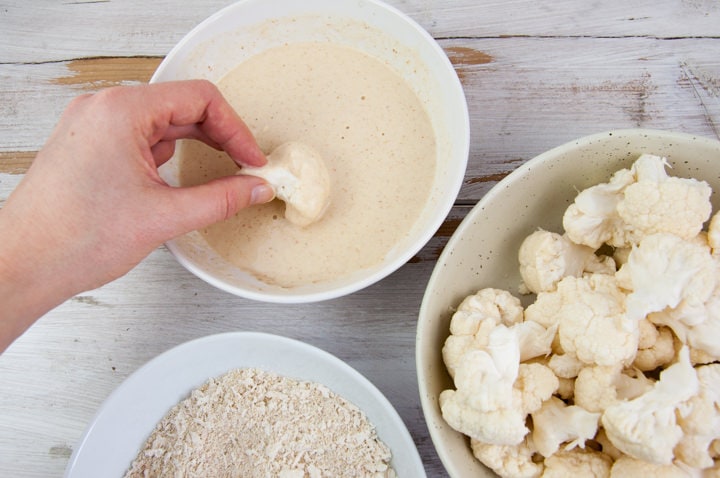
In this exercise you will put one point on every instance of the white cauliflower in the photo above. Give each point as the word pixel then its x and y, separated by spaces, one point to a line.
pixel 665 270
pixel 697 325
pixel 629 467
pixel 300 178
pixel 477 316
pixel 536 383
pixel 560 389
pixel 535 340
pixel 577 463
pixel 592 219
pixel 592 321
pixel 600 386
pixel 646 427
pixel 701 420
pixel 565 365
pixel 659 353
pixel 485 405
pixel 547 257
pixel 638 202
pixel 658 203
pixel 508 461
pixel 556 423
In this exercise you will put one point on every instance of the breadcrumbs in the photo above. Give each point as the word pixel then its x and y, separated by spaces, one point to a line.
pixel 252 423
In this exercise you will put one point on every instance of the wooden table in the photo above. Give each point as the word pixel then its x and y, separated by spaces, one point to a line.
pixel 537 73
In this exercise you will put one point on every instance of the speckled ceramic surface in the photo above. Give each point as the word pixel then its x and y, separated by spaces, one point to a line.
pixel 483 250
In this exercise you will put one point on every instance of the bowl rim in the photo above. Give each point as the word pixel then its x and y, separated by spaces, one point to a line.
pixel 125 412
pixel 428 409
pixel 373 274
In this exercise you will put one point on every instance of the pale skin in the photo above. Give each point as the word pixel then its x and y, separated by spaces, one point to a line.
pixel 92 205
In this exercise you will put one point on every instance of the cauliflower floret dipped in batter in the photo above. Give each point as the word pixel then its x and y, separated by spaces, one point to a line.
pixel 300 178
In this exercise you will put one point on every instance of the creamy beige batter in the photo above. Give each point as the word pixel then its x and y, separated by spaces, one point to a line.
pixel 374 135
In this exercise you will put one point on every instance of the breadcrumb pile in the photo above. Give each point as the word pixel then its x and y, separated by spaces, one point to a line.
pixel 253 423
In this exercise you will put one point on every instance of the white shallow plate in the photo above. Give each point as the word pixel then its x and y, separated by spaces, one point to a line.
pixel 129 415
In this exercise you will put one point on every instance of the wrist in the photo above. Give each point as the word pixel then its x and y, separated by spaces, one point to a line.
pixel 29 285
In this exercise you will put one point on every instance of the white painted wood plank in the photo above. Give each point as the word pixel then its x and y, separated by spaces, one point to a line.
pixel 42 31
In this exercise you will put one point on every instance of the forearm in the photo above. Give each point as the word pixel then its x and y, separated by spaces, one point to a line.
pixel 30 283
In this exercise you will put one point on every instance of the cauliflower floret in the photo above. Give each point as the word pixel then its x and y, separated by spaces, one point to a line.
pixel 547 257
pixel 646 427
pixel 497 305
pixel 556 423
pixel 629 467
pixel 659 203
pixel 477 316
pixel 664 270
pixel 697 326
pixel 485 405
pixel 535 340
pixel 508 461
pixel 536 382
pixel 592 219
pixel 300 178
pixel 565 365
pixel 661 352
pixel 701 420
pixel 593 324
pixel 606 446
pixel 638 202
pixel 578 463
pixel 590 312
pixel 598 387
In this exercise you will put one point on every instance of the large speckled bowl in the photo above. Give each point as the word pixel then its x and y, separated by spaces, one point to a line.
pixel 483 250
pixel 249 27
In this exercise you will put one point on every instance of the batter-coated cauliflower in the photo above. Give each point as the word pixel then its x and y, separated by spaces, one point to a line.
pixel 300 178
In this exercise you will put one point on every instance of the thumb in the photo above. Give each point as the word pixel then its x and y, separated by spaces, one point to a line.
pixel 199 206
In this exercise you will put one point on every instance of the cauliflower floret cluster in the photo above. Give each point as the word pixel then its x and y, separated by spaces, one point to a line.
pixel 614 369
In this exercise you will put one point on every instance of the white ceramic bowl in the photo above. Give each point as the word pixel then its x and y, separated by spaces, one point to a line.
pixel 129 415
pixel 211 49
pixel 483 250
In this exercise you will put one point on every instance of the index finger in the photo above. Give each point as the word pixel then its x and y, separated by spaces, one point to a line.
pixel 199 104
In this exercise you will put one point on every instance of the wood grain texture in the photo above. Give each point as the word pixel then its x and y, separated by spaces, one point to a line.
pixel 536 73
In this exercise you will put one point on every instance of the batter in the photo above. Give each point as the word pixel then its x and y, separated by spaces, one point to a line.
pixel 374 136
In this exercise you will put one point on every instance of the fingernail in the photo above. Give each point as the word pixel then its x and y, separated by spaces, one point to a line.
pixel 261 194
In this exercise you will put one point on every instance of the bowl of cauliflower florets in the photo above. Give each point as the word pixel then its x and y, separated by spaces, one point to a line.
pixel 572 324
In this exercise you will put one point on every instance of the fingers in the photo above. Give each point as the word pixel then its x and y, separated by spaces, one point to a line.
pixel 199 206
pixel 197 109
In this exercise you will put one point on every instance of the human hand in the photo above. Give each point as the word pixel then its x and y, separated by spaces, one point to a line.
pixel 93 205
